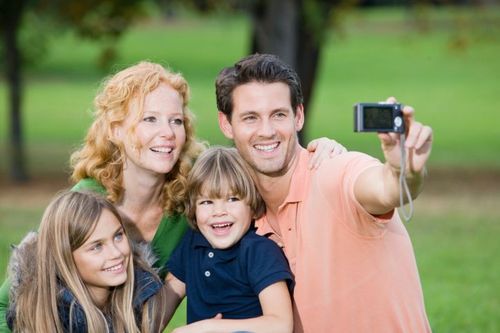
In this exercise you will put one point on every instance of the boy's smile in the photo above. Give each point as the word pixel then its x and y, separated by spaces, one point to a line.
pixel 223 221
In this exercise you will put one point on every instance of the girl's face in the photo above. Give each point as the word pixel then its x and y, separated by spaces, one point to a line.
pixel 159 136
pixel 223 221
pixel 103 259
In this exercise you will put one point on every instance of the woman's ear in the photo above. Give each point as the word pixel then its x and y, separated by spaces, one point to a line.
pixel 115 133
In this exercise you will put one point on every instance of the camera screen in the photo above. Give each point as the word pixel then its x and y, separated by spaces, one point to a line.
pixel 378 117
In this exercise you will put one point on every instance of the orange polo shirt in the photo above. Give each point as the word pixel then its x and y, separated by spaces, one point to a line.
pixel 353 272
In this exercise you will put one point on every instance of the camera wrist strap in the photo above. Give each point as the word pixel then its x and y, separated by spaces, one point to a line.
pixel 403 185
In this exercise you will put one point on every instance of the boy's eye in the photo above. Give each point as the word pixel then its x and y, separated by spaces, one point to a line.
pixel 204 202
pixel 233 199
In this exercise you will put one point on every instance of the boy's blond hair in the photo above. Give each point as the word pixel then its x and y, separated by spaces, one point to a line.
pixel 218 172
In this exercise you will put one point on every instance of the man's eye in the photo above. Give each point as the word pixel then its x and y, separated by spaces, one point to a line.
pixel 249 118
pixel 280 115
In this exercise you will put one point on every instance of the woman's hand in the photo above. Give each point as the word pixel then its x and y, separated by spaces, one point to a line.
pixel 323 148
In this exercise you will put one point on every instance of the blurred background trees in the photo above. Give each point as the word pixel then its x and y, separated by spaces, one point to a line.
pixel 295 30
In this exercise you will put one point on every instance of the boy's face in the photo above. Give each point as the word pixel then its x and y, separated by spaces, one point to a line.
pixel 223 221
pixel 263 126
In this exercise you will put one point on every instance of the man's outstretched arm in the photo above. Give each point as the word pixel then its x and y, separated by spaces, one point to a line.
pixel 377 189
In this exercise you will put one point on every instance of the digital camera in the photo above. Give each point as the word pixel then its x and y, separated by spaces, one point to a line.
pixel 378 117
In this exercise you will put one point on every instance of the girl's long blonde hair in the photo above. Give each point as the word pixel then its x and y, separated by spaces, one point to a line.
pixel 101 159
pixel 67 223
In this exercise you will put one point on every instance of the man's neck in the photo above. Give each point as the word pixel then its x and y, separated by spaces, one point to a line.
pixel 274 189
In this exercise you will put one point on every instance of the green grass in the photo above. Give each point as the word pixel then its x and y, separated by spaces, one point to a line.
pixel 457 260
pixel 449 73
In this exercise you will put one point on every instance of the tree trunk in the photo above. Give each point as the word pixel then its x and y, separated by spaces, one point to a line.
pixel 281 27
pixel 11 19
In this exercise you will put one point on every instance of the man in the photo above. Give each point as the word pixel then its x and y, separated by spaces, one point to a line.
pixel 351 256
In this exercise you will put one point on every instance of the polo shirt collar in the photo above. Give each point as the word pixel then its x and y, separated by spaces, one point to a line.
pixel 298 182
pixel 199 241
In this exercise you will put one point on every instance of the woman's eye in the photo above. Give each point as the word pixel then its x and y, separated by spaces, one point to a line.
pixel 177 121
pixel 149 119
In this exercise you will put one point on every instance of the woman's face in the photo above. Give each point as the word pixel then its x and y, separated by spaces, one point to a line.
pixel 159 136
pixel 103 259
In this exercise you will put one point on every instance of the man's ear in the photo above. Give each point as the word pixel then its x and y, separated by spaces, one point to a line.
pixel 225 125
pixel 299 117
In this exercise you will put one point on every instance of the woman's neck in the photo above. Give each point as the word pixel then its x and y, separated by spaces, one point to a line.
pixel 141 192
pixel 142 204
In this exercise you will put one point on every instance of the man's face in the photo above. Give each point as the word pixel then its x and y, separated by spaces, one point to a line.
pixel 264 126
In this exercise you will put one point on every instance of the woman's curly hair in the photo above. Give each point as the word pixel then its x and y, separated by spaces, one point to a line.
pixel 102 158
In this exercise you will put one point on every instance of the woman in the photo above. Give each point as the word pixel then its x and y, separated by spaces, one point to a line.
pixel 85 277
pixel 139 150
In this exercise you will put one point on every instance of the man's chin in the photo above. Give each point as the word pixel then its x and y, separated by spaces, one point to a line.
pixel 271 170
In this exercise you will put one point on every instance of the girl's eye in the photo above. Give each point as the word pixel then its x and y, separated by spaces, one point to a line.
pixel 119 236
pixel 233 199
pixel 96 247
pixel 149 119
pixel 177 121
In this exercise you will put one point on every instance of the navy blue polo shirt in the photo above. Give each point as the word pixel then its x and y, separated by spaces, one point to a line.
pixel 227 281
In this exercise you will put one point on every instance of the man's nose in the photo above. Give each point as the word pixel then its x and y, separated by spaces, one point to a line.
pixel 267 128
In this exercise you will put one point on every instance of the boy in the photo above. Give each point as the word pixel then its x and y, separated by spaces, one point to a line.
pixel 222 266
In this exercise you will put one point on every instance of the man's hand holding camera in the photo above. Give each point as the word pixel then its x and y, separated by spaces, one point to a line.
pixel 418 144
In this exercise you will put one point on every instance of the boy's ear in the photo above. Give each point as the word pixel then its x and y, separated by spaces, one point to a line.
pixel 225 125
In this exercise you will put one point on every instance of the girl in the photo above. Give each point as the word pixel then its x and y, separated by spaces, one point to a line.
pixel 78 274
